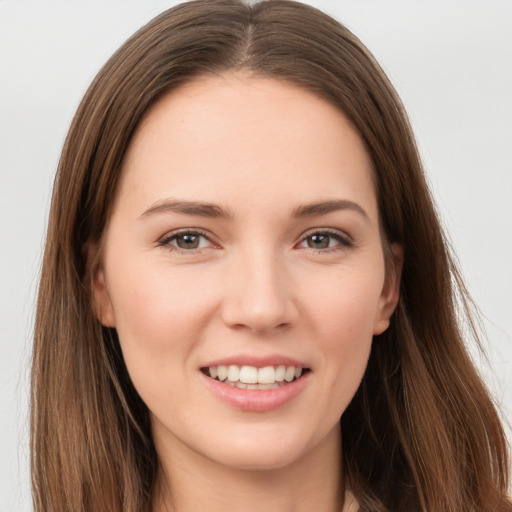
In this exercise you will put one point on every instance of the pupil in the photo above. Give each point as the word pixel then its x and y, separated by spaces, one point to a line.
pixel 319 241
pixel 188 241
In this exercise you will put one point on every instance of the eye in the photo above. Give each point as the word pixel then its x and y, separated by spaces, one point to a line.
pixel 325 239
pixel 186 240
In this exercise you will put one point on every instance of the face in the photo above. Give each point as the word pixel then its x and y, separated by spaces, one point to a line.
pixel 244 252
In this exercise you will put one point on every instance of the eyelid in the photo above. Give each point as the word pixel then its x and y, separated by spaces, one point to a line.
pixel 328 231
pixel 165 240
pixel 344 239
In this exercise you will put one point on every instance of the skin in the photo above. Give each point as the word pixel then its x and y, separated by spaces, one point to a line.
pixel 258 284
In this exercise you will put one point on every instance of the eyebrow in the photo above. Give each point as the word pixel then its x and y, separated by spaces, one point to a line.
pixel 324 207
pixel 188 208
pixel 214 211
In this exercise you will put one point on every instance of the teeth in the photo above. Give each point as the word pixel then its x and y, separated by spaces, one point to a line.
pixel 280 371
pixel 233 373
pixel 241 385
pixel 222 372
pixel 290 374
pixel 274 385
pixel 250 377
pixel 266 375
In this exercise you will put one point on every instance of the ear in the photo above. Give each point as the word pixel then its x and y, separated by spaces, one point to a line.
pixel 391 289
pixel 98 286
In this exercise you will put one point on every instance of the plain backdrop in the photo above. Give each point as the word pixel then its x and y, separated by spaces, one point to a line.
pixel 451 62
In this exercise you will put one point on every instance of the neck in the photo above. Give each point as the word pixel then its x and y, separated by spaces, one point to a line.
pixel 189 482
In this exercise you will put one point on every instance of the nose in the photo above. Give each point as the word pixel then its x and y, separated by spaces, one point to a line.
pixel 259 293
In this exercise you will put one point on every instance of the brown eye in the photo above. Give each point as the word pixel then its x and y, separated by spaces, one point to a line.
pixel 188 241
pixel 318 241
pixel 321 240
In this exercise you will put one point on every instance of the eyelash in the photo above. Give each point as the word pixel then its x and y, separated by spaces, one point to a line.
pixel 166 240
pixel 345 241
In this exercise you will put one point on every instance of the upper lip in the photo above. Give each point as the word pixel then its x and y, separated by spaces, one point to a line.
pixel 257 361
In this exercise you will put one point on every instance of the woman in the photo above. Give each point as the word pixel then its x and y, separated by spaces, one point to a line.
pixel 241 251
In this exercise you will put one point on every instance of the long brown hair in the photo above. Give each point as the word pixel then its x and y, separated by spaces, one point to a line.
pixel 421 433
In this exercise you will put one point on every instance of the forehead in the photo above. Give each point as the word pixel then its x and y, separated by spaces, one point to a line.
pixel 221 136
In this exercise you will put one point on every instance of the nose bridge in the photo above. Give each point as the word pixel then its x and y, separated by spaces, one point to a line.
pixel 259 292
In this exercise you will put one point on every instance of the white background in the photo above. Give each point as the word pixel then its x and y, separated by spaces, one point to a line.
pixel 451 62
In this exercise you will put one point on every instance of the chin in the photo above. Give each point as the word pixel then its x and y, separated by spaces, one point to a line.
pixel 259 452
pixel 260 460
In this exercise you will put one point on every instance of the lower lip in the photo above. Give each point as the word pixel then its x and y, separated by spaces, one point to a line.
pixel 256 400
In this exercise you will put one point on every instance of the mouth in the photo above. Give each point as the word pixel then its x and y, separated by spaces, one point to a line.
pixel 252 377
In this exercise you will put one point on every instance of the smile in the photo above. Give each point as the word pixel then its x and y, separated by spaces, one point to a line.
pixel 251 377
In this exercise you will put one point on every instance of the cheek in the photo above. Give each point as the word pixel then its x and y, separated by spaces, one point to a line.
pixel 153 298
pixel 160 318
pixel 342 320
pixel 344 306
